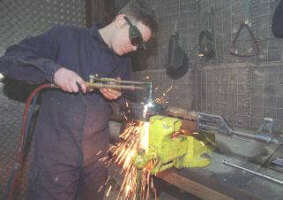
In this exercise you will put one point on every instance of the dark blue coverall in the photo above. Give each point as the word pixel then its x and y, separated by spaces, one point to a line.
pixel 277 21
pixel 71 128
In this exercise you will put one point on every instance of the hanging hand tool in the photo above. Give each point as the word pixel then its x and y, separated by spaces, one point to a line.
pixel 234 51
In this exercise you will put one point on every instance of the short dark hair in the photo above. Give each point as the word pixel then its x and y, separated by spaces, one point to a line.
pixel 140 11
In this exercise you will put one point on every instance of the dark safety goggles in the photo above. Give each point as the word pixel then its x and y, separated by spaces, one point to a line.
pixel 135 35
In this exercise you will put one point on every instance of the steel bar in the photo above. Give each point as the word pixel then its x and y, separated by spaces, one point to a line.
pixel 225 162
pixel 113 86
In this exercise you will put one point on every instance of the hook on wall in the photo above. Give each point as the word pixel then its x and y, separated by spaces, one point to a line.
pixel 233 49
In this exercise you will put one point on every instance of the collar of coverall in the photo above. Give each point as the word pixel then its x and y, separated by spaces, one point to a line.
pixel 93 30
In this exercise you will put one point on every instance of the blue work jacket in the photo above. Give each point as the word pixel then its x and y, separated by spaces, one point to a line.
pixel 68 124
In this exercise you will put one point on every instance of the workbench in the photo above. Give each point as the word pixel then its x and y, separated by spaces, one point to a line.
pixel 221 182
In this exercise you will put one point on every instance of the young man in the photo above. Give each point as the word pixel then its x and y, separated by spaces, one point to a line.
pixel 277 21
pixel 72 133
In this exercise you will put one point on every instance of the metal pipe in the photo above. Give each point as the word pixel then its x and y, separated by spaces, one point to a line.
pixel 217 124
pixel 113 86
pixel 225 162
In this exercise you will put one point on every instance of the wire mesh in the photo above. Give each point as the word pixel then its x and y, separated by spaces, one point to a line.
pixel 243 90
pixel 21 18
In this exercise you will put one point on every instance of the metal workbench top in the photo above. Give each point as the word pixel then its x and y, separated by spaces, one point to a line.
pixel 219 181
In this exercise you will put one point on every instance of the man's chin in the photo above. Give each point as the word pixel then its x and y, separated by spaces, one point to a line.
pixel 121 52
pixel 118 52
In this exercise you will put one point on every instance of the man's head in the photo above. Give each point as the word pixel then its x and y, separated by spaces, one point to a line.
pixel 140 11
pixel 132 27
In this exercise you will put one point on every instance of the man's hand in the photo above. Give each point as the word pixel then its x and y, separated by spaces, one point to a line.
pixel 111 94
pixel 68 80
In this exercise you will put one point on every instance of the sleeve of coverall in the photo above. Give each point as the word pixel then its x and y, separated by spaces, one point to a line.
pixel 277 21
pixel 33 59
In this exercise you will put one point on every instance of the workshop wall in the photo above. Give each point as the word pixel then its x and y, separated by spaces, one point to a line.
pixel 243 88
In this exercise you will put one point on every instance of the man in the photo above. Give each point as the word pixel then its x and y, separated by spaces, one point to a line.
pixel 277 21
pixel 72 128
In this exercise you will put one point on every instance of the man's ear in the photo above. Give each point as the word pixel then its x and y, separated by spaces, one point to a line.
pixel 120 21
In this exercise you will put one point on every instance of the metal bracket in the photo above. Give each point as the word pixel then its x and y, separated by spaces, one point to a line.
pixel 266 127
pixel 233 50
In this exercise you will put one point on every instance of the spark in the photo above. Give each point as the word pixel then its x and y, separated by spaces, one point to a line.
pixel 144 141
pixel 146 107
pixel 164 97
pixel 99 152
pixel 136 182
pixel 1 76
pixel 108 191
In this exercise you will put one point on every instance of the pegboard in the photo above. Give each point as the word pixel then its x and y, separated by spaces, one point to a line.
pixel 20 19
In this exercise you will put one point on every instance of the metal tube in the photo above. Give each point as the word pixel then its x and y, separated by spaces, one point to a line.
pixel 225 162
pixel 113 86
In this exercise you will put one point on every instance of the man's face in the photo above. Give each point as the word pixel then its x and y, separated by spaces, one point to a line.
pixel 125 39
